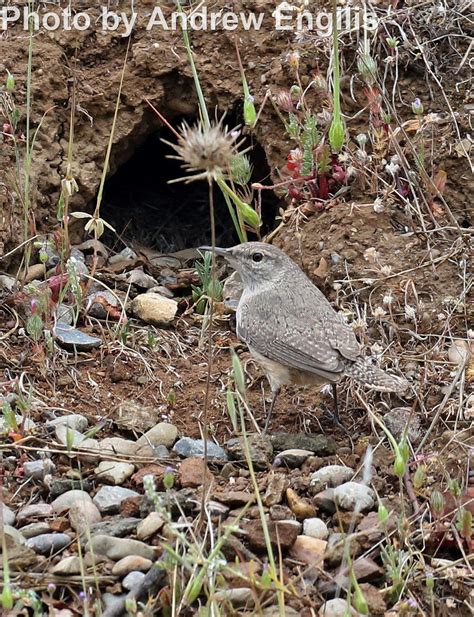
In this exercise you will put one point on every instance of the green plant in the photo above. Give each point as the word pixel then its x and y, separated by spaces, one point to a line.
pixel 210 287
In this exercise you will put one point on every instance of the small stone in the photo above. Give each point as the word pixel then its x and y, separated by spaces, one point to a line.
pixel 154 309
pixel 65 501
pixel 365 570
pixel 7 282
pixel 136 417
pixel 68 436
pixel 276 488
pixel 111 601
pixel 117 445
pixel 315 528
pixel 73 339
pixel 238 596
pixel 82 515
pixel 229 470
pixel 48 543
pixel 163 434
pixel 319 444
pixel 274 611
pixel 330 477
pixel 34 529
pixel 398 419
pixel 37 470
pixel 13 536
pixel 300 508
pixel 117 527
pixel 65 314
pixel 336 608
pixel 292 458
pixel 67 566
pixel 260 450
pixel 149 526
pixel 282 533
pixel 374 599
pixel 63 485
pixel 139 278
pixel 325 501
pixel 8 516
pixel 187 448
pixel 309 550
pixel 75 421
pixel 109 498
pixel 132 563
pixel 132 580
pixel 337 545
pixel 459 352
pixel 26 424
pixel 193 472
pixel 280 512
pixel 354 496
pixel 98 304
pixel 113 472
pixel 118 548
pixel 34 511
pixel 235 499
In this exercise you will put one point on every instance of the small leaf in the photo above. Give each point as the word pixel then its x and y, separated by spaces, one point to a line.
pixel 81 215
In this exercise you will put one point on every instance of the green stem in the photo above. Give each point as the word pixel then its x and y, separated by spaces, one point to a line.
pixel 336 68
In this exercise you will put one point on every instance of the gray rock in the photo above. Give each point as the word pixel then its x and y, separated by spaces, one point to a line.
pixel 60 486
pixel 132 580
pixel 117 527
pixel 187 448
pixel 292 458
pixel 13 535
pixel 73 339
pixel 37 470
pixel 64 502
pixel 161 452
pixel 330 477
pixel 315 528
pixel 67 566
pixel 354 496
pixel 163 434
pixel 126 254
pixel 117 445
pixel 132 563
pixel 397 419
pixel 34 529
pixel 113 472
pixel 48 543
pixel 238 596
pixel 335 549
pixel 27 424
pixel 325 501
pixel 8 515
pixel 34 511
pixel 161 291
pixel 319 444
pixel 336 608
pixel 110 600
pixel 95 307
pixel 68 436
pixel 109 498
pixel 260 450
pixel 154 309
pixel 7 282
pixel 65 314
pixel 149 526
pixel 118 548
pixel 83 514
pixel 74 421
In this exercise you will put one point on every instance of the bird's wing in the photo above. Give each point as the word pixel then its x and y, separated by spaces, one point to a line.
pixel 295 336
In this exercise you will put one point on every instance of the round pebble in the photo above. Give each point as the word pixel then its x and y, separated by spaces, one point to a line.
pixel 315 528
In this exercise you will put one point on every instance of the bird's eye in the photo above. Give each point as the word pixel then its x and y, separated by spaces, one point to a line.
pixel 257 257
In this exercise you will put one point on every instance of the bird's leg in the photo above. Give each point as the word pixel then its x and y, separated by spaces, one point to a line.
pixel 336 408
pixel 275 393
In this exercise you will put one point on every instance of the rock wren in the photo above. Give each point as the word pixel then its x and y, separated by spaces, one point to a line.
pixel 290 327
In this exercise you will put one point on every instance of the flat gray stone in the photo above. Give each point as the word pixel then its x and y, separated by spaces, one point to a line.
pixel 132 580
pixel 187 448
pixel 34 529
pixel 118 548
pixel 354 496
pixel 15 536
pixel 113 472
pixel 74 421
pixel 37 470
pixel 68 436
pixel 163 434
pixel 64 502
pixel 34 511
pixel 84 514
pixel 116 527
pixel 330 477
pixel 109 498
pixel 73 339
pixel 293 458
pixel 8 515
pixel 48 543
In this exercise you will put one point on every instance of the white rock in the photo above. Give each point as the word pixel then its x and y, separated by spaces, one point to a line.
pixel 336 608
pixel 109 498
pixel 354 496
pixel 118 548
pixel 83 514
pixel 163 434
pixel 132 563
pixel 132 580
pixel 74 421
pixel 149 526
pixel 117 445
pixel 154 309
pixel 330 476
pixel 68 436
pixel 112 472
pixel 66 501
pixel 315 528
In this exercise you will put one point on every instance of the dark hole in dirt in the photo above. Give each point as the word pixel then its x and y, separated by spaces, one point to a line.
pixel 143 207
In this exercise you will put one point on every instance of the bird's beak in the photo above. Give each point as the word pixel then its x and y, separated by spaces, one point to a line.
pixel 218 251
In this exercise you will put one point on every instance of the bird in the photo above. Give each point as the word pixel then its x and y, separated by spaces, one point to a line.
pixel 292 330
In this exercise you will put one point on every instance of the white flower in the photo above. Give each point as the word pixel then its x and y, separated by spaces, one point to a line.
pixel 379 312
pixel 388 299
pixel 378 205
pixel 410 313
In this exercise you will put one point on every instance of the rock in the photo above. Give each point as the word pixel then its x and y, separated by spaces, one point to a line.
pixel 309 550
pixel 315 528
pixel 163 434
pixel 365 570
pixel 73 339
pixel 319 444
pixel 34 529
pixel 325 501
pixel 67 566
pixel 65 314
pixel 229 470
pixel 13 536
pixel 235 499
pixel 126 254
pixel 280 513
pixel 136 417
pixel 154 309
pixel 75 421
pixel 111 601
pixel 132 563
pixel 397 419
pixel 48 543
pixel 282 533
pixel 68 436
pixel 109 498
pixel 354 496
pixel 337 545
pixel 117 445
pixel 149 526
pixel 26 424
pixel 34 511
pixel 139 278
pixel 330 476
pixel 63 485
pixel 7 282
pixel 238 596
pixel 37 470
pixel 193 472
pixel 187 448
pixel 65 501
pixel 132 580
pixel 374 599
pixel 161 291
pixel 337 608
pixel 112 472
pixel 117 527
pixel 274 611
pixel 82 515
pixel 100 303
pixel 459 352
pixel 8 516
pixel 260 450
pixel 300 507
pixel 277 483
pixel 118 548
pixel 292 458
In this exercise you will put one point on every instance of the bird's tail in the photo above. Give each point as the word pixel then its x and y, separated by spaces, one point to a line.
pixel 369 375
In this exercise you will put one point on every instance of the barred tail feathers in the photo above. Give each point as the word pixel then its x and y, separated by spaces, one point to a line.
pixel 369 375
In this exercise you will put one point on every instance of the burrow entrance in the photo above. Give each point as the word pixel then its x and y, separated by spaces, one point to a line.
pixel 144 208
